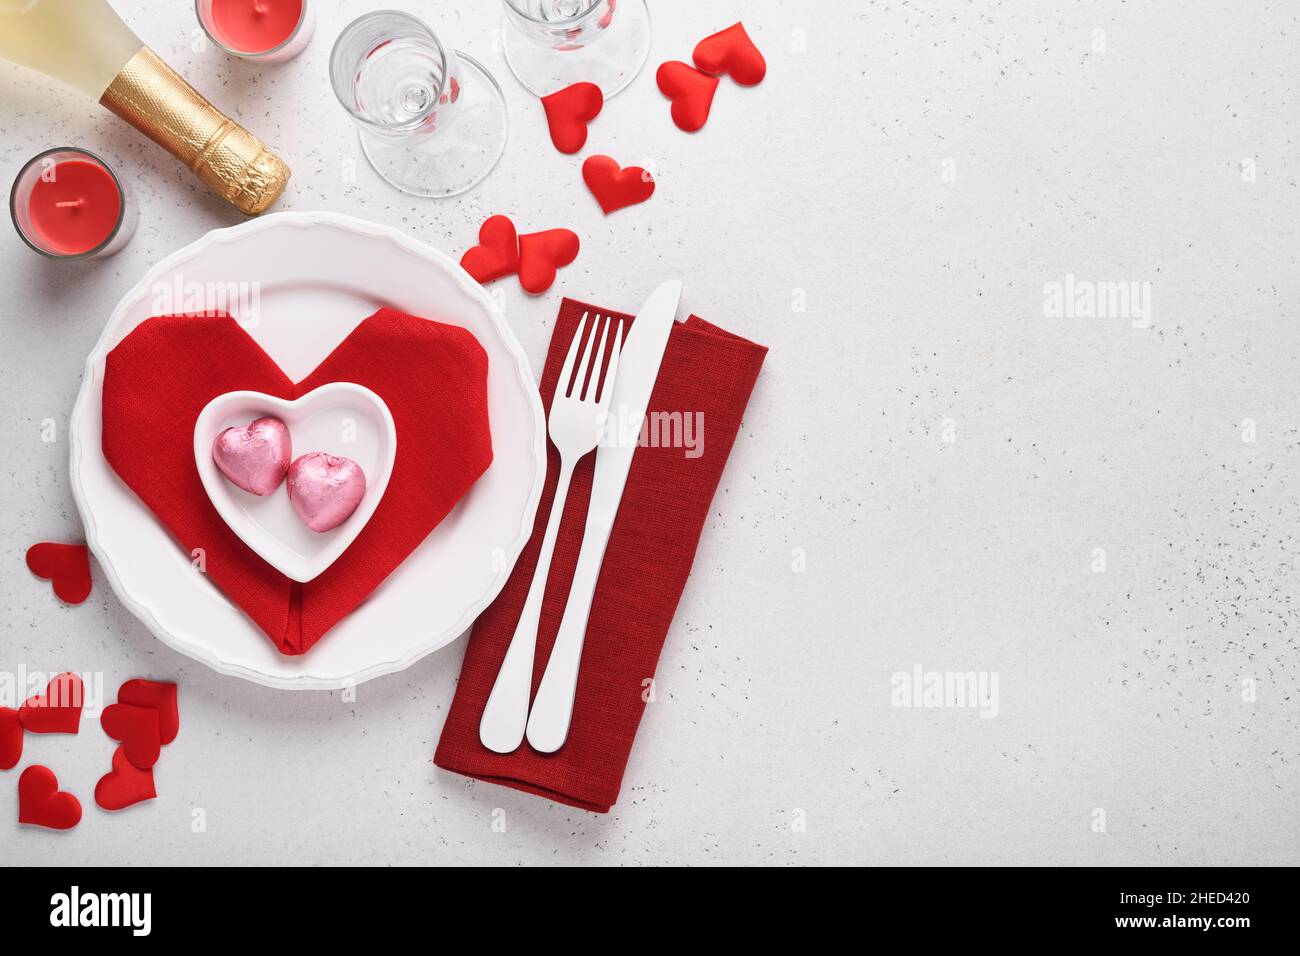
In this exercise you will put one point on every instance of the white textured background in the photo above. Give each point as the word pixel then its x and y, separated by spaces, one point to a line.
pixel 1119 690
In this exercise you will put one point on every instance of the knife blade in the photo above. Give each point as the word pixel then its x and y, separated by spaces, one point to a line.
pixel 638 368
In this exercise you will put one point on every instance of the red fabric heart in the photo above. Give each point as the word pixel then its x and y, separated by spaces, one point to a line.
pixel 497 252
pixel 11 738
pixel 541 254
pixel 569 111
pixel 124 785
pixel 137 729
pixel 731 51
pixel 157 696
pixel 691 92
pixel 57 710
pixel 66 566
pixel 616 188
pixel 432 377
pixel 42 804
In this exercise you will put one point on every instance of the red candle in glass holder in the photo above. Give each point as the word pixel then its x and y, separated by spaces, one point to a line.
pixel 75 209
pixel 269 30
pixel 67 203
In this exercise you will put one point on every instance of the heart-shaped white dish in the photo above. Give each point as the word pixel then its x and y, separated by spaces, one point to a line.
pixel 340 418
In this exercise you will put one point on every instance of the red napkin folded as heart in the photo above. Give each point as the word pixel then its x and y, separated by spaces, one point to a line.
pixel 432 377
pixel 705 380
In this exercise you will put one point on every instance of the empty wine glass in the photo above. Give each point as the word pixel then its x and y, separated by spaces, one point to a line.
pixel 432 120
pixel 551 44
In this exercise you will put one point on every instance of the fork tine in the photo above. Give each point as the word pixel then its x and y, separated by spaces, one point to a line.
pixel 570 360
pixel 584 362
pixel 597 362
pixel 607 389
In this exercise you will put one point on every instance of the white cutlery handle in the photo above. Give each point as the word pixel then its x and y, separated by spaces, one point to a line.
pixel 548 724
pixel 506 714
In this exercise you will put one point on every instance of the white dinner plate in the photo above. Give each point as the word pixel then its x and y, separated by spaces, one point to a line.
pixel 313 277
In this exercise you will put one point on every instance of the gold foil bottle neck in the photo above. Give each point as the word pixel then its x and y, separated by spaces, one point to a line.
pixel 153 98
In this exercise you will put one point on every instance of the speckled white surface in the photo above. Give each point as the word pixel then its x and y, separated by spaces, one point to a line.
pixel 832 183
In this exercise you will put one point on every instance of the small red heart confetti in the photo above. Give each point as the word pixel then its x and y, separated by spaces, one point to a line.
pixel 732 52
pixel 497 252
pixel 137 729
pixel 67 566
pixel 691 92
pixel 569 111
pixel 541 254
pixel 41 802
pixel 616 188
pixel 57 710
pixel 11 738
pixel 124 785
pixel 158 696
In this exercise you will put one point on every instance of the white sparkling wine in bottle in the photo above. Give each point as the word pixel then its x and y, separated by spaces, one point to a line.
pixel 85 44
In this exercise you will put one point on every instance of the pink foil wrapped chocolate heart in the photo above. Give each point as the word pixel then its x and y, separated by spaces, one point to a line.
pixel 325 489
pixel 255 457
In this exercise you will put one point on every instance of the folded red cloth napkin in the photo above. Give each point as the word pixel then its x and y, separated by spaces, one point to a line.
pixel 432 377
pixel 703 386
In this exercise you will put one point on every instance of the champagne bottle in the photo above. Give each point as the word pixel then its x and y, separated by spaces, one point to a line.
pixel 85 44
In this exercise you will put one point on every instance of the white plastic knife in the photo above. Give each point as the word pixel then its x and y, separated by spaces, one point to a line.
pixel 638 368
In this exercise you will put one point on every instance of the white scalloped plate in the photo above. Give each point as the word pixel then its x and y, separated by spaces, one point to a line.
pixel 318 275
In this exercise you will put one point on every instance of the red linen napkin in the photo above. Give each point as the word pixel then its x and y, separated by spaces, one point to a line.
pixel 706 376
pixel 432 377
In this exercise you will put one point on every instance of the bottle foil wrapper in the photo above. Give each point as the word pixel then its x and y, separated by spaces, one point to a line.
pixel 234 163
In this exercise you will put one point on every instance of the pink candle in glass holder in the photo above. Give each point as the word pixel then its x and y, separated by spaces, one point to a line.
pixel 270 31
pixel 68 204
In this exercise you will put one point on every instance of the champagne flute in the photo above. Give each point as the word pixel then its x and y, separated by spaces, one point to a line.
pixel 432 120
pixel 551 44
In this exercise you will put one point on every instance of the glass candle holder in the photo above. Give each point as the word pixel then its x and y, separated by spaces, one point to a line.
pixel 551 44
pixel 432 120
pixel 268 31
pixel 67 203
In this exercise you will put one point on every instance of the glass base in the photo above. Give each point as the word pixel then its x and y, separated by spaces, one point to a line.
pixel 455 160
pixel 612 62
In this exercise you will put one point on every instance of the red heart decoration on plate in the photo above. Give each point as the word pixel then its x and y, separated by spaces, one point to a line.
pixel 569 111
pixel 11 738
pixel 731 51
pixel 541 254
pixel 57 710
pixel 432 377
pixel 137 729
pixel 497 252
pixel 157 696
pixel 66 566
pixel 124 785
pixel 41 802
pixel 616 188
pixel 691 92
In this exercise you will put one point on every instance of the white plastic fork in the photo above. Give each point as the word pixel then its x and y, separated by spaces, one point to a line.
pixel 577 421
